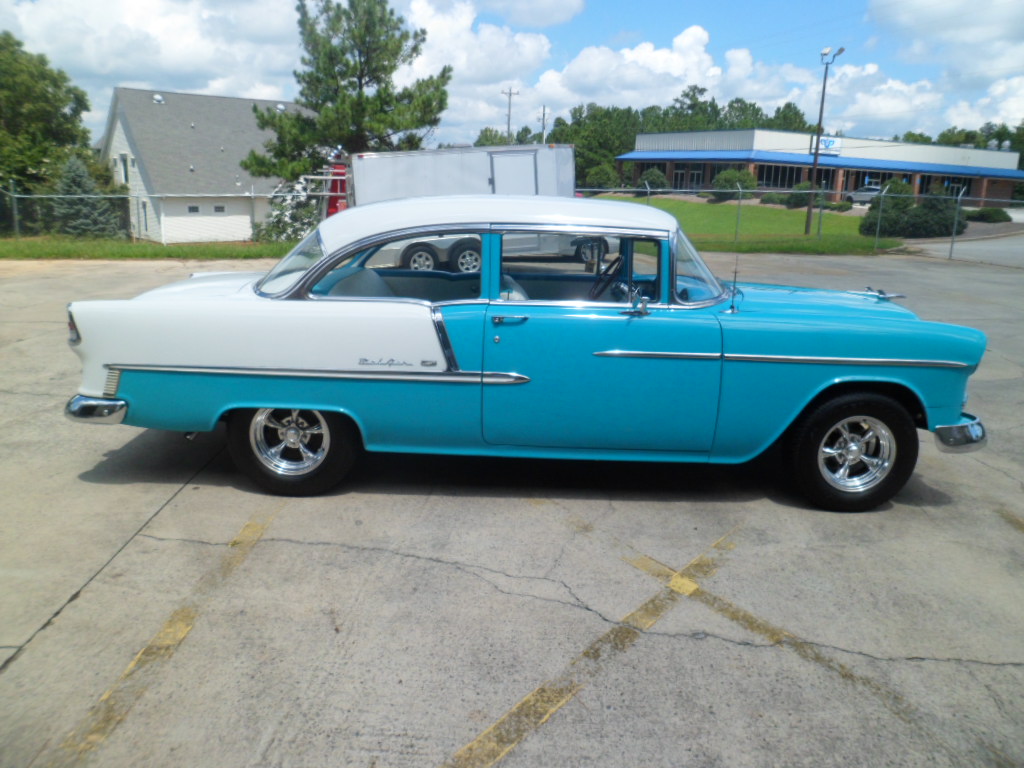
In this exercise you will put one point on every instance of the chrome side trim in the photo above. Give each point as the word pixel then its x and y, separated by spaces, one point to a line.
pixel 446 377
pixel 878 361
pixel 962 438
pixel 444 340
pixel 660 355
pixel 96 410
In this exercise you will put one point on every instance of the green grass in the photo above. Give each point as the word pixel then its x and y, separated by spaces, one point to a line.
pixel 711 227
pixel 48 247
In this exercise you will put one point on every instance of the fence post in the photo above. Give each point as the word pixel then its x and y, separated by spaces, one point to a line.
pixel 739 209
pixel 14 209
pixel 821 212
pixel 956 220
pixel 878 225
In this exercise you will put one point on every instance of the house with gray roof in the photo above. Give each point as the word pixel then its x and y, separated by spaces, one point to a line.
pixel 179 155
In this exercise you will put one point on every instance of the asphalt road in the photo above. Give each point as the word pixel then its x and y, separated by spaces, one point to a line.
pixel 156 610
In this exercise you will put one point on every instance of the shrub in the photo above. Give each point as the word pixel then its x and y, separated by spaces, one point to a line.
pixel 603 177
pixel 895 204
pixel 800 194
pixel 652 178
pixel 725 184
pixel 773 198
pixel 840 206
pixel 989 215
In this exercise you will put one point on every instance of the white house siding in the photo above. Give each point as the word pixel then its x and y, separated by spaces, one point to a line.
pixel 143 210
pixel 208 223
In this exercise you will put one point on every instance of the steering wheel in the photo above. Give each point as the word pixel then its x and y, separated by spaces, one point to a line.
pixel 606 278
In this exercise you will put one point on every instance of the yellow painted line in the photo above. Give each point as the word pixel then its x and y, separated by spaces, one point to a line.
pixel 1012 519
pixel 537 708
pixel 114 705
pixel 685 582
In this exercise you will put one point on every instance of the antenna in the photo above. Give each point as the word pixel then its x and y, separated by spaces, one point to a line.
pixel 732 310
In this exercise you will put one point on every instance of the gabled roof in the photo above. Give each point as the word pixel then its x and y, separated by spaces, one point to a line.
pixel 825 161
pixel 186 143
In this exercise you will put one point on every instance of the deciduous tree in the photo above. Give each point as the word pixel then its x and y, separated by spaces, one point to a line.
pixel 40 117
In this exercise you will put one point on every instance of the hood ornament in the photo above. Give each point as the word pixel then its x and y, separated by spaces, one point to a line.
pixel 883 295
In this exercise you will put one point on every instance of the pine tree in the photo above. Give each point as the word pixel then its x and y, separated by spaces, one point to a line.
pixel 75 213
pixel 347 88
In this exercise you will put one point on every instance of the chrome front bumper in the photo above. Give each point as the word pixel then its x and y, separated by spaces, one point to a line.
pixel 968 435
pixel 96 410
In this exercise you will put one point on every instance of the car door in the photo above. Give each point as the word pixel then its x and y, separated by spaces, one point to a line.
pixel 610 371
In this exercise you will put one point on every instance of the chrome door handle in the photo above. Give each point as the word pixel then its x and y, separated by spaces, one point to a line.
pixel 509 319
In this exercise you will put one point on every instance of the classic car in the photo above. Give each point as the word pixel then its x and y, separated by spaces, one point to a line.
pixel 637 354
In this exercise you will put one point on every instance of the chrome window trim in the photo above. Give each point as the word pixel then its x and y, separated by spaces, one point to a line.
pixel 444 340
pixel 449 377
pixel 303 288
pixel 579 229
pixel 867 361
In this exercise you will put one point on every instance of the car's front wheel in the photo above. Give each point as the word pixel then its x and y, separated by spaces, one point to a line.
pixel 854 452
pixel 292 452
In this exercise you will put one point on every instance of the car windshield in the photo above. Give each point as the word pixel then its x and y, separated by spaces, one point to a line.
pixel 292 267
pixel 694 281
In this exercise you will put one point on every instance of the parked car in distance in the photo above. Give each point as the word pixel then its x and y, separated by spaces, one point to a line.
pixel 864 194
pixel 637 353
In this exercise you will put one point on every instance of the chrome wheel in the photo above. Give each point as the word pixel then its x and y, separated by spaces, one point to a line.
pixel 857 454
pixel 289 442
pixel 420 257
pixel 853 452
pixel 467 260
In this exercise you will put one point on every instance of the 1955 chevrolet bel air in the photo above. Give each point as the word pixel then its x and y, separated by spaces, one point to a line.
pixel 579 329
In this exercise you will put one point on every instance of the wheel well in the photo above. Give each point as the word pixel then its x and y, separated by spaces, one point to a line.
pixel 897 392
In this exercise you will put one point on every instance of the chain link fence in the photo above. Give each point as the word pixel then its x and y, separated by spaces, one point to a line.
pixel 186 218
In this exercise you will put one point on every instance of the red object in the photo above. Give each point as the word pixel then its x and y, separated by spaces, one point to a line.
pixel 337 189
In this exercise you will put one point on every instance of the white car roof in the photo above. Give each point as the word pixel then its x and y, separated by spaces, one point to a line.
pixel 364 221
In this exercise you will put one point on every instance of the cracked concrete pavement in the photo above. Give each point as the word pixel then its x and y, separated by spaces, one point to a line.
pixel 156 610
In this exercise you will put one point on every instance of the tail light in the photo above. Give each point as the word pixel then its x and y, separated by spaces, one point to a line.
pixel 74 337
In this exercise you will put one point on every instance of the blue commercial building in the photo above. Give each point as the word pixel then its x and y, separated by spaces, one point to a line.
pixel 780 160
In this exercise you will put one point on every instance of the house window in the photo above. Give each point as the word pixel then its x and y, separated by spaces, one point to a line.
pixel 145 216
pixel 193 209
pixel 218 209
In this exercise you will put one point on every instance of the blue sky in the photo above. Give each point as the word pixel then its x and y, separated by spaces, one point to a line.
pixel 919 65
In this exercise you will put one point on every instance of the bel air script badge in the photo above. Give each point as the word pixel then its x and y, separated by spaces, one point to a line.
pixel 389 363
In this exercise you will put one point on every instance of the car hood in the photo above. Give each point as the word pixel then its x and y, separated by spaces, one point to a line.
pixel 207 285
pixel 795 302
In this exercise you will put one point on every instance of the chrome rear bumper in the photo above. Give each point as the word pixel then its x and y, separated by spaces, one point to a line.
pixel 96 410
pixel 968 435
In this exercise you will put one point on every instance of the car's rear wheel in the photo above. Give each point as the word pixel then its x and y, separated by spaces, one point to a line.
pixel 465 257
pixel 290 451
pixel 854 452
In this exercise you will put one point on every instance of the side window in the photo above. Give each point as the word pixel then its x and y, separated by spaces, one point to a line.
pixel 578 267
pixel 434 268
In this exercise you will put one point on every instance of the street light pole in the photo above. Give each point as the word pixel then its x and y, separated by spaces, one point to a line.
pixel 817 135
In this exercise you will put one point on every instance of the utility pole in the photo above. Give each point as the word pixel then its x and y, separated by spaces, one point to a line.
pixel 543 123
pixel 817 135
pixel 508 128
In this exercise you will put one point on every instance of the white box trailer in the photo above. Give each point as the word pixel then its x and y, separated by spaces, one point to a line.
pixel 530 169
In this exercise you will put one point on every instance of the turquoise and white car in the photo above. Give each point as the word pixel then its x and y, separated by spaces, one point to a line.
pixel 638 353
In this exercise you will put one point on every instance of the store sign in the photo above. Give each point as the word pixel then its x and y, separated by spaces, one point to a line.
pixel 830 145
